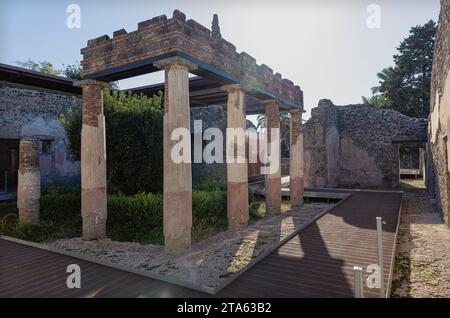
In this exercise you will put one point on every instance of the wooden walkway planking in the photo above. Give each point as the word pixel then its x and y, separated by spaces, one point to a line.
pixel 317 262
pixel 27 271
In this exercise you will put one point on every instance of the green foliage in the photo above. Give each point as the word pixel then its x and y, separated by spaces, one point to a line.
pixel 377 100
pixel 134 132
pixel 72 71
pixel 7 207
pixel 136 218
pixel 45 67
pixel 285 127
pixel 406 86
pixel 130 217
pixel 257 210
pixel 211 185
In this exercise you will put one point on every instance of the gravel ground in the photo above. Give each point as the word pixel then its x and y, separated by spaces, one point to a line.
pixel 211 261
pixel 422 267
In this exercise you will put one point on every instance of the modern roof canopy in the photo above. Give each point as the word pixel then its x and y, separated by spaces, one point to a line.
pixel 204 92
pixel 25 76
pixel 136 53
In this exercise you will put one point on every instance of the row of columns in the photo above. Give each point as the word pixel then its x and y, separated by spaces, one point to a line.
pixel 296 160
pixel 177 203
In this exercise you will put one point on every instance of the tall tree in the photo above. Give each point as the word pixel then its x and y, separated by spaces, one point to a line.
pixel 406 86
pixel 45 67
pixel 71 71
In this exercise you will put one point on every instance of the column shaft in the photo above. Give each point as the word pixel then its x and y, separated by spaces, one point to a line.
pixel 93 161
pixel 29 180
pixel 237 180
pixel 177 175
pixel 273 179
pixel 296 162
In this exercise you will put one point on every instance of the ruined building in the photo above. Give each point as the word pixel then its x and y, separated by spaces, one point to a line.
pixel 438 182
pixel 358 145
pixel 30 105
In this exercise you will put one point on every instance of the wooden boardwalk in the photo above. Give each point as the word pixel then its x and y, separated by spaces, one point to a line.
pixel 317 262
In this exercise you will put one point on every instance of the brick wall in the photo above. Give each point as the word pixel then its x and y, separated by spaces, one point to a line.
pixel 161 35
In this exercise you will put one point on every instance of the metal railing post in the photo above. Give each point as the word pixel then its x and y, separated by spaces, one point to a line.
pixel 380 254
pixel 359 293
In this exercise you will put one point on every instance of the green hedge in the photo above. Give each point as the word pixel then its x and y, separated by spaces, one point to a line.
pixel 134 136
pixel 136 218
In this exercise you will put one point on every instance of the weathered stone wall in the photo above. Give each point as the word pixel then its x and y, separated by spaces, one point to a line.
pixel 215 116
pixel 30 111
pixel 353 145
pixel 438 171
pixel 212 117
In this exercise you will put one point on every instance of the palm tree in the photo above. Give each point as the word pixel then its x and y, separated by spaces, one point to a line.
pixel 378 97
pixel 285 127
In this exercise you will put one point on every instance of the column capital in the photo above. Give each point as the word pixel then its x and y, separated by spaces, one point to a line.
pixel 175 62
pixel 92 82
pixel 271 102
pixel 233 87
pixel 296 111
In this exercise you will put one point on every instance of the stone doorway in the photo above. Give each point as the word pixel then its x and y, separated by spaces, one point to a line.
pixel 411 165
pixel 9 164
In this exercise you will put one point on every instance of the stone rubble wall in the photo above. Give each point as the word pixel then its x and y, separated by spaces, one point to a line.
pixel 29 111
pixel 437 169
pixel 213 116
pixel 353 145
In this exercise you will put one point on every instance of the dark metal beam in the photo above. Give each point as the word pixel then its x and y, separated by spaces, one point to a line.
pixel 204 70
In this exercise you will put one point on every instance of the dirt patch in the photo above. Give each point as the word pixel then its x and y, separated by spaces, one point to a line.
pixel 211 261
pixel 422 267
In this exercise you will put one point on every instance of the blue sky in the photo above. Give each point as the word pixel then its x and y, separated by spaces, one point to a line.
pixel 324 46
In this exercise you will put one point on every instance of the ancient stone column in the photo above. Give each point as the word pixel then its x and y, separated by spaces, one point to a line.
pixel 237 180
pixel 29 180
pixel 93 161
pixel 273 179
pixel 177 203
pixel 296 162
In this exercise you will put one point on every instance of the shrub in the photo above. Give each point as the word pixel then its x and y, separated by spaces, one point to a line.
pixel 130 217
pixel 257 210
pixel 7 207
pixel 210 185
pixel 136 218
pixel 134 134
pixel 8 222
pixel 34 231
pixel 61 204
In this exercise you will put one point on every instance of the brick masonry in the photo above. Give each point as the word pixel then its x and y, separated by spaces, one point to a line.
pixel 161 35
